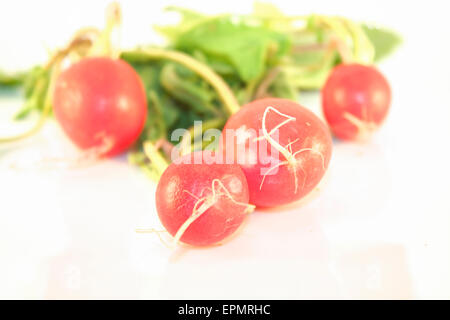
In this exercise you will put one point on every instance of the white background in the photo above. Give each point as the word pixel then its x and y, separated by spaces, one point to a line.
pixel 378 227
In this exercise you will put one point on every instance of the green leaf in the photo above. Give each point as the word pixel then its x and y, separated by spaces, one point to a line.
pixel 248 48
pixel 175 96
pixel 189 19
pixel 217 64
pixel 35 86
pixel 186 121
pixel 385 41
pixel 7 79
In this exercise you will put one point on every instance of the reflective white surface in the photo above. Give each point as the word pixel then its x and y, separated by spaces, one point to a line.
pixel 378 226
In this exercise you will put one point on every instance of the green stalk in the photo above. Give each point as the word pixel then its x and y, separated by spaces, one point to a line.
pixel 206 73
pixel 190 136
pixel 158 162
pixel 45 111
pixel 186 92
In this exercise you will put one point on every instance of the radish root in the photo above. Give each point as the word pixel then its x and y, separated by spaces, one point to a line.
pixel 157 232
pixel 365 126
pixel 204 203
pixel 84 159
pixel 291 161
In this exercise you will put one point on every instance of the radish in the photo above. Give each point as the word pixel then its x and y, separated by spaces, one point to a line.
pixel 101 104
pixel 294 149
pixel 202 204
pixel 355 101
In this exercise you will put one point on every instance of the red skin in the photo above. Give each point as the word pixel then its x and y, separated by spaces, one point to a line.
pixel 101 104
pixel 311 132
pixel 175 201
pixel 359 90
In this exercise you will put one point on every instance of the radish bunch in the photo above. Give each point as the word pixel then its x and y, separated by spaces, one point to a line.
pixel 201 204
pixel 198 206
pixel 272 151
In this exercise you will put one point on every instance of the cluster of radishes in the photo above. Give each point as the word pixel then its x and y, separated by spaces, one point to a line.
pixel 101 104
pixel 201 204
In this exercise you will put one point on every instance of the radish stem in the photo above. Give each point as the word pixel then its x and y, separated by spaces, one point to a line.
pixel 43 115
pixel 205 72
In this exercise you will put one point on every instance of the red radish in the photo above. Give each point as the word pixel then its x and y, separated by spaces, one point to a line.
pixel 302 143
pixel 202 204
pixel 101 104
pixel 355 100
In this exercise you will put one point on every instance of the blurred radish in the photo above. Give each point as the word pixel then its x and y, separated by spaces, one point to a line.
pixel 101 104
pixel 355 101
